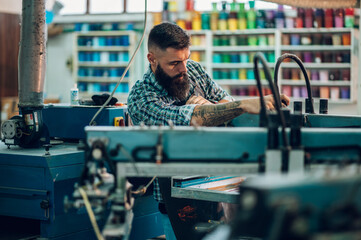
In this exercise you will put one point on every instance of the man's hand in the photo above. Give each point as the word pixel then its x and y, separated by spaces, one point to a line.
pixel 253 106
pixel 198 100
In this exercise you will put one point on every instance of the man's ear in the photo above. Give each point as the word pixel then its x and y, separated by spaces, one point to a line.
pixel 151 58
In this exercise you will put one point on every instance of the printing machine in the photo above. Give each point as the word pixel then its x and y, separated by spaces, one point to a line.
pixel 37 184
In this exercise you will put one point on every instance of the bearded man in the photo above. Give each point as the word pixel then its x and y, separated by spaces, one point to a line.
pixel 178 90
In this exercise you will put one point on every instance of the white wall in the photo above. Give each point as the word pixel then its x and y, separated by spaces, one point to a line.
pixel 10 6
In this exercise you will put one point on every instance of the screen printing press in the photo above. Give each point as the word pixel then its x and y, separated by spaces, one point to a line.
pixel 319 144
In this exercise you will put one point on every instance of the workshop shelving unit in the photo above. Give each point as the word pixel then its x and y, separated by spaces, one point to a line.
pixel 99 60
pixel 327 54
pixel 236 75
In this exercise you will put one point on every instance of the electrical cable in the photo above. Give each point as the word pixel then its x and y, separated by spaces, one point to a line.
pixel 144 189
pixel 276 95
pixel 90 214
pixel 303 69
pixel 126 69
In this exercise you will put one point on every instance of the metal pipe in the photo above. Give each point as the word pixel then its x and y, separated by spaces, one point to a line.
pixel 32 54
pixel 303 69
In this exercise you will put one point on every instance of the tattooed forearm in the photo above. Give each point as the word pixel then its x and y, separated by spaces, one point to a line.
pixel 216 114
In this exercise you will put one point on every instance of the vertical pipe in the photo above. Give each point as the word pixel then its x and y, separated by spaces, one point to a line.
pixel 32 54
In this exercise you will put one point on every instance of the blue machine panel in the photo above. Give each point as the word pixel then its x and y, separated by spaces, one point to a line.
pixel 68 122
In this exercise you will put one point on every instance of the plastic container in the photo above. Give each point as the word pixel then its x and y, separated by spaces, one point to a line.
pixel 261 19
pixel 74 95
pixel 290 15
pixel 270 19
pixel 280 17
pixel 214 16
pixel 242 20
pixel 251 16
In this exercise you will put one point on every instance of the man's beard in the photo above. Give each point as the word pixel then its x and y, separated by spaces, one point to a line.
pixel 176 87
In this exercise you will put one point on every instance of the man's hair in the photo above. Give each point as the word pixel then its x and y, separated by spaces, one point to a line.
pixel 167 35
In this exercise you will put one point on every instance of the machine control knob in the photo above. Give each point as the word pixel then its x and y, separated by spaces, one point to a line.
pixel 47 148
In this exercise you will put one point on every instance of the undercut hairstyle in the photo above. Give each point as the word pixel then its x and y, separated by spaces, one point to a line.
pixel 167 35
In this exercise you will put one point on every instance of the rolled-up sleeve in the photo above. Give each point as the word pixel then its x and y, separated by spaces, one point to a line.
pixel 147 107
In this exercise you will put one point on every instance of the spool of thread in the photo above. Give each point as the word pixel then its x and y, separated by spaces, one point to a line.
pixel 295 74
pixel 287 90
pixel 104 57
pixel 339 16
pixel 251 56
pixel 226 58
pixel 234 58
pixel 244 58
pixel 196 56
pixel 286 74
pixel 345 93
pixel 262 40
pixel 234 74
pixel 217 58
pixel 307 57
pixel 242 74
pixel 271 40
pixel 323 75
pixel 309 18
pixel 242 41
pixel 346 75
pixel 224 74
pixel 271 57
pixel 181 23
pixel 296 92
pixel 250 75
pixel 216 74
pixel 317 39
pixel 346 39
pixel 318 57
pixel 336 40
pixel 295 39
pixel 304 92
pixel 329 18
pixel 335 93
pixel 315 75
pixel 324 92
pixel 233 40
pixel 252 41
pixel 216 41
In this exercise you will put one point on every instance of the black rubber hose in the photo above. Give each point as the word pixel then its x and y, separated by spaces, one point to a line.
pixel 303 69
pixel 260 57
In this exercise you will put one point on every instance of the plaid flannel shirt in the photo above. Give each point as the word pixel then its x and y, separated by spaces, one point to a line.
pixel 149 102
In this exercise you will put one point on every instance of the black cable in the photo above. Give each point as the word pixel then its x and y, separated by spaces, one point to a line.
pixel 276 96
pixel 303 69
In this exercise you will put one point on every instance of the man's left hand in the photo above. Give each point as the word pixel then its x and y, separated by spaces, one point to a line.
pixel 198 100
